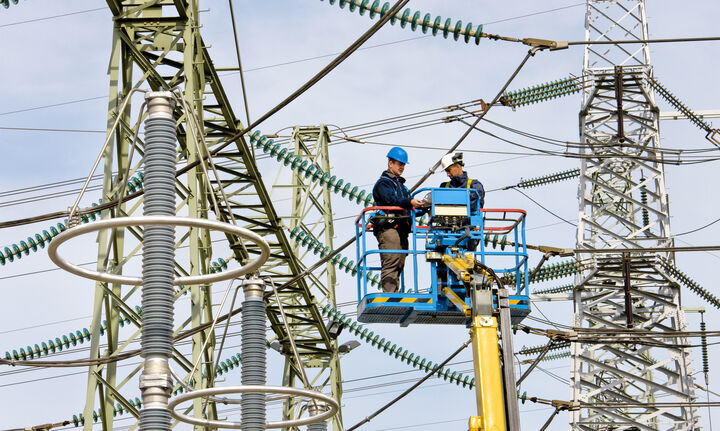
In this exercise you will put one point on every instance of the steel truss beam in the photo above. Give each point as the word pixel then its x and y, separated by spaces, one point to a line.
pixel 157 45
pixel 623 204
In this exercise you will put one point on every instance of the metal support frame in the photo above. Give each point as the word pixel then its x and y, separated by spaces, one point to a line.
pixel 623 204
pixel 157 44
pixel 311 211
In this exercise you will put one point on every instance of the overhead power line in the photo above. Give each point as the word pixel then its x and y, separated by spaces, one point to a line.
pixel 53 17
pixel 252 69
pixel 53 105
pixel 38 129
pixel 625 42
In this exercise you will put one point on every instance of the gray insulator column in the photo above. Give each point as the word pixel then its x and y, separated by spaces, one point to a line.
pixel 158 258
pixel 318 426
pixel 316 409
pixel 254 354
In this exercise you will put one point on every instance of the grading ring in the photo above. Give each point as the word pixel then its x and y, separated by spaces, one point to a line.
pixel 205 393
pixel 158 220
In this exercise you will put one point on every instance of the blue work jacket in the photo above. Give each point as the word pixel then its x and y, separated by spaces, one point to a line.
pixel 390 190
pixel 461 182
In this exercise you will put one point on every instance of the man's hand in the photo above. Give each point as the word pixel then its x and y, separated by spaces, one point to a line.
pixel 418 203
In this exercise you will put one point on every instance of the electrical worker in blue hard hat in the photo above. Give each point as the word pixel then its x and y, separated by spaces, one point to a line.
pixel 453 165
pixel 392 229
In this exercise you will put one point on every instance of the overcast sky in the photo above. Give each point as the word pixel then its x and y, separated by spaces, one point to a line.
pixel 54 76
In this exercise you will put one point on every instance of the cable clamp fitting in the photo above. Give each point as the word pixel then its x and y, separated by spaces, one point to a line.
pixel 565 405
pixel 73 218
pixel 556 251
pixel 561 335
pixel 552 45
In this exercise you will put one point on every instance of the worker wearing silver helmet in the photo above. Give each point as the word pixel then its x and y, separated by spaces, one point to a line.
pixel 453 165
pixel 392 228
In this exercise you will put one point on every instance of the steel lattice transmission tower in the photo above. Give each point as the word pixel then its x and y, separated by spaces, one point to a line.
pixel 157 45
pixel 310 221
pixel 623 204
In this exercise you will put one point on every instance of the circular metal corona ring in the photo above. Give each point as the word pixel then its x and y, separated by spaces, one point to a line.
pixel 284 390
pixel 158 220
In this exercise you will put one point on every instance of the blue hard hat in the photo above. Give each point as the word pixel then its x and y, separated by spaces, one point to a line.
pixel 398 154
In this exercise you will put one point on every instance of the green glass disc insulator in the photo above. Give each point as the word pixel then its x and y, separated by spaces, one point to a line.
pixel 478 34
pixel 360 196
pixel 323 178
pixel 318 247
pixel 262 143
pixel 446 28
pixel 309 170
pixel 295 233
pixel 436 25
pixel 32 243
pixel 457 29
pixel 425 22
pixel 405 18
pixel 415 19
pixel 353 193
pixel 468 29
pixel 373 9
pixel 270 147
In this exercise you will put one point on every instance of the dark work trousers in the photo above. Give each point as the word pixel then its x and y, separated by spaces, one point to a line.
pixel 392 263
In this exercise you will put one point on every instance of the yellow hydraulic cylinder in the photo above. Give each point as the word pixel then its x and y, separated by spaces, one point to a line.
pixel 488 378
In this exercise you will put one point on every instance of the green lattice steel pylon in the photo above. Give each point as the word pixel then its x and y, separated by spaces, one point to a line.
pixel 311 212
pixel 140 51
pixel 619 128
